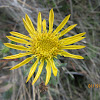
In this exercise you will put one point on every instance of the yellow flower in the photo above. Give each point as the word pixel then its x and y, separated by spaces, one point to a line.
pixel 43 45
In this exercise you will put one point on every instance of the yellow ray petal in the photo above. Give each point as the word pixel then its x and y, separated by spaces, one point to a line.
pixel 62 24
pixel 17 55
pixel 44 25
pixel 73 47
pixel 39 23
pixel 28 28
pixel 48 75
pixel 74 37
pixel 32 70
pixel 66 30
pixel 39 72
pixel 18 40
pixel 51 20
pixel 72 40
pixel 29 22
pixel 66 54
pixel 23 62
pixel 18 47
pixel 53 67
pixel 20 35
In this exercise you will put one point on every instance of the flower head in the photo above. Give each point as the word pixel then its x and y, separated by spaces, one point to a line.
pixel 43 45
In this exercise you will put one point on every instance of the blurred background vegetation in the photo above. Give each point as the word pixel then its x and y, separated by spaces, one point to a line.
pixel 74 75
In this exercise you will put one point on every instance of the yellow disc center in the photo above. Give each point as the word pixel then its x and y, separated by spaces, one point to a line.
pixel 46 45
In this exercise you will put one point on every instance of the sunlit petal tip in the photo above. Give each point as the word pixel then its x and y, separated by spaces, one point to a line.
pixel 23 20
pixel 81 57
pixel 52 11
pixel 27 80
pixel 11 69
pixel 4 57
pixel 75 24
pixel 46 83
pixel 68 16
pixel 8 37
pixel 39 14
pixel 83 46
pixel 5 44
pixel 84 37
pixel 55 73
pixel 11 32
pixel 26 15
pixel 33 83
pixel 84 33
